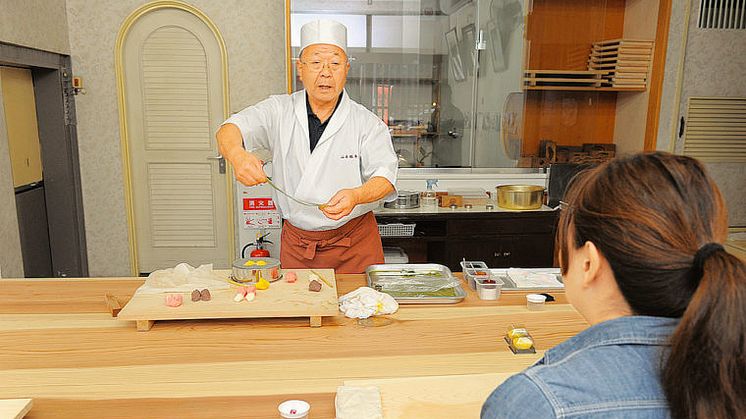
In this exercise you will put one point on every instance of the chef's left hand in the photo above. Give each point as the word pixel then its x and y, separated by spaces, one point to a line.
pixel 341 204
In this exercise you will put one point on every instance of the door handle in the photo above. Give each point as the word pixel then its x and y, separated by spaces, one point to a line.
pixel 221 162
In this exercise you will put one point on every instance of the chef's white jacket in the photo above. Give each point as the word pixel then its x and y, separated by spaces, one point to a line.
pixel 355 146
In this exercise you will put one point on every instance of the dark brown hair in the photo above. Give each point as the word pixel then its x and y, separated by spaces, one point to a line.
pixel 649 214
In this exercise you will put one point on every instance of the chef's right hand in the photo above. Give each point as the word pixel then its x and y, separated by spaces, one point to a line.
pixel 248 169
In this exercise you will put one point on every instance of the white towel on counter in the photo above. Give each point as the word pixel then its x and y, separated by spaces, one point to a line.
pixel 358 403
pixel 183 278
pixel 365 302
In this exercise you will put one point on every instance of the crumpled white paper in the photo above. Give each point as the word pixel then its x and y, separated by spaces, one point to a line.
pixel 365 302
pixel 183 278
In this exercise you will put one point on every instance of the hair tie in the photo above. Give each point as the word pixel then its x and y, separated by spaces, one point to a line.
pixel 702 255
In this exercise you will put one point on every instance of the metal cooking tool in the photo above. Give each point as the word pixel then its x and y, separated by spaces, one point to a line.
pixel 404 200
pixel 300 201
pixel 520 197
pixel 249 270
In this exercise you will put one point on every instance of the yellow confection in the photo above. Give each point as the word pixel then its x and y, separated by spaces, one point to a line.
pixel 263 284
pixel 261 263
pixel 517 332
pixel 249 263
pixel 523 342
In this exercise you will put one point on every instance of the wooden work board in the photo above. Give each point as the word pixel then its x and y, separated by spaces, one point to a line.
pixel 281 299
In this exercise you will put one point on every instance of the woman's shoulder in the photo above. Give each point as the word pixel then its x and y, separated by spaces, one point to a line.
pixel 518 396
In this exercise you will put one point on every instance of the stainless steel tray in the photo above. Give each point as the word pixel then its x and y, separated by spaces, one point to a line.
pixel 410 270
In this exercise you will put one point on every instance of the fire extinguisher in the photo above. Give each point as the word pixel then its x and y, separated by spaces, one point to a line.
pixel 259 251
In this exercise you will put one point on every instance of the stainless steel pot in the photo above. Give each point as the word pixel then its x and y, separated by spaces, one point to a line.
pixel 404 200
pixel 520 197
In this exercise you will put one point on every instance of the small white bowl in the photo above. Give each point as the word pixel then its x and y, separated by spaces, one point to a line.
pixel 294 409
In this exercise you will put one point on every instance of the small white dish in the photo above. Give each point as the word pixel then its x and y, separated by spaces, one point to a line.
pixel 294 409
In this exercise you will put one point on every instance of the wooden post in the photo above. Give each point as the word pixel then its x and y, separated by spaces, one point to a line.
pixel 315 321
pixel 144 325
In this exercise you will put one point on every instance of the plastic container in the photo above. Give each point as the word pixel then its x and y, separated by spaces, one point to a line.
pixel 535 301
pixel 489 289
pixel 473 271
pixel 396 230
pixel 429 197
pixel 294 409
pixel 394 255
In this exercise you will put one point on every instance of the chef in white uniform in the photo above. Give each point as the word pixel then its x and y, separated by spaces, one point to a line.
pixel 325 149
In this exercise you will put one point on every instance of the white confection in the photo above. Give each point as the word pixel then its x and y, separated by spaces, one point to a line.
pixel 238 297
pixel 250 296
pixel 323 31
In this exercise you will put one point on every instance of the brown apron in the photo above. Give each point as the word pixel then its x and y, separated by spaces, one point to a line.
pixel 348 249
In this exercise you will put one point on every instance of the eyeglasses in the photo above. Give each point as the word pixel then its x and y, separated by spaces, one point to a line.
pixel 316 65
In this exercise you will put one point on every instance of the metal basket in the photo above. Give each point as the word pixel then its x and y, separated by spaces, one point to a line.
pixel 396 230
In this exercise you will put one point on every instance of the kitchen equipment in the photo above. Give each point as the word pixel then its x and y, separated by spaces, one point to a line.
pixel 404 200
pixel 394 255
pixel 281 300
pixel 489 289
pixel 426 283
pixel 250 270
pixel 396 230
pixel 429 197
pixel 473 271
pixel 560 176
pixel 520 197
pixel 529 281
pixel 451 200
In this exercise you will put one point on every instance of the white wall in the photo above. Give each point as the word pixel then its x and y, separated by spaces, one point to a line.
pixel 40 24
pixel 714 63
pixel 254 33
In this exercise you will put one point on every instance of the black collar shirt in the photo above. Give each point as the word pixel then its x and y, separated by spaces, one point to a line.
pixel 315 127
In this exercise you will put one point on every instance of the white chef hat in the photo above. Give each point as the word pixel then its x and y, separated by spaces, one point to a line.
pixel 323 31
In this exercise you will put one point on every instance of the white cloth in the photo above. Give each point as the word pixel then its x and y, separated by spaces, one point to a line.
pixel 323 31
pixel 535 277
pixel 182 278
pixel 355 146
pixel 358 402
pixel 365 302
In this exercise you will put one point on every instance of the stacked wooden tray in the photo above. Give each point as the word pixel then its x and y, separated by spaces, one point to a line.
pixel 563 79
pixel 627 62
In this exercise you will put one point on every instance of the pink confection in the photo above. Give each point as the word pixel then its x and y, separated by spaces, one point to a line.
pixel 174 300
pixel 291 277
pixel 249 289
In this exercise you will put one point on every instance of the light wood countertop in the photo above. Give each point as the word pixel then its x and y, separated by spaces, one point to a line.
pixel 60 346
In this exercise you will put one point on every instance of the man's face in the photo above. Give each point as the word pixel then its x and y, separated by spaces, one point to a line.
pixel 323 70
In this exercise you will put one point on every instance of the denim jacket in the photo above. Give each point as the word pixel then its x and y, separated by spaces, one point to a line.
pixel 610 370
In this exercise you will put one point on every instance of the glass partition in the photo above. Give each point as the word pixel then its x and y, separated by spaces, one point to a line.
pixel 415 63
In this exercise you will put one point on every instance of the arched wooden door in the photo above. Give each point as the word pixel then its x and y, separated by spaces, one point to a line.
pixel 171 68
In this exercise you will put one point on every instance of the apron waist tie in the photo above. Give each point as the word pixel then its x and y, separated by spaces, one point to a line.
pixel 311 245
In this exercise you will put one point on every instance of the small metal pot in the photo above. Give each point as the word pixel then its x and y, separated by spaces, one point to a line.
pixel 520 197
pixel 250 270
pixel 405 200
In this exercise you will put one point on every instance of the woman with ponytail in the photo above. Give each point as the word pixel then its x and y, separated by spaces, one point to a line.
pixel 641 256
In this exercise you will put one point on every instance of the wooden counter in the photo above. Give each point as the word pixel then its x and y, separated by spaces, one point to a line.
pixel 60 346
